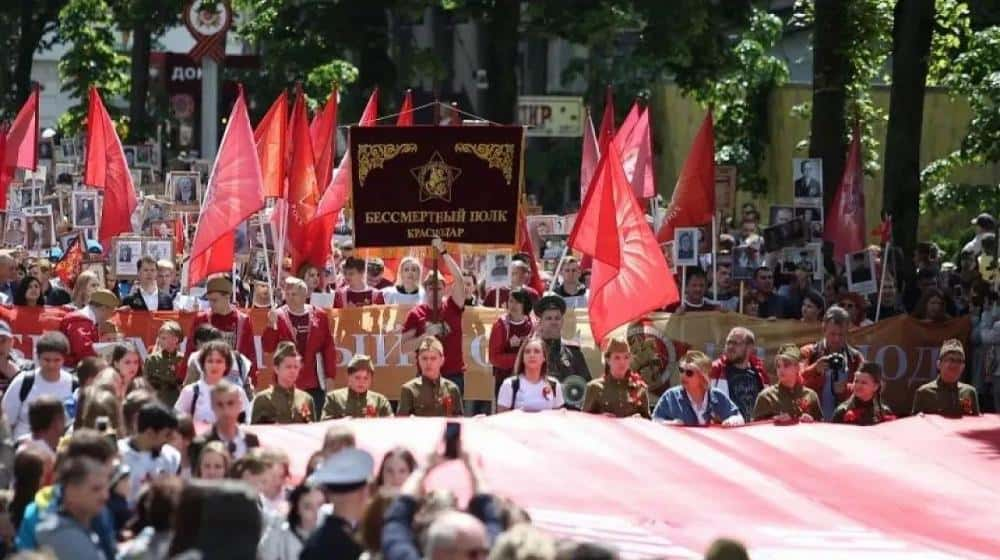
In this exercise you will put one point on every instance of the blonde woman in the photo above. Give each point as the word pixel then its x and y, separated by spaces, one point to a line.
pixel 86 284
pixel 695 402
pixel 530 389
pixel 407 290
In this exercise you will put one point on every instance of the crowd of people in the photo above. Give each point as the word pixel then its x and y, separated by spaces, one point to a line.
pixel 107 454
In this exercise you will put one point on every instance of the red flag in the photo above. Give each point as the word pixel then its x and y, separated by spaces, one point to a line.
pixel 589 158
pixel 303 190
pixel 271 137
pixel 106 169
pixel 235 191
pixel 71 263
pixel 335 197
pixel 528 248
pixel 636 148
pixel 606 134
pixel 884 230
pixel 21 150
pixel 693 201
pixel 631 119
pixel 405 117
pixel 323 133
pixel 845 224
pixel 629 277
pixel 180 236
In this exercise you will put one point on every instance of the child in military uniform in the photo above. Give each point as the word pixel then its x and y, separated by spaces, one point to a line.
pixel 864 407
pixel 357 400
pixel 282 402
pixel 946 395
pixel 788 401
pixel 430 394
pixel 620 392
pixel 160 368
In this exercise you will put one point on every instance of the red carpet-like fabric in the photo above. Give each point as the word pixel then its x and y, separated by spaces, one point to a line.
pixel 922 487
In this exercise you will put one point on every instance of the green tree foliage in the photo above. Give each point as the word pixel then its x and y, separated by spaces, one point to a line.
pixel 86 26
pixel 25 27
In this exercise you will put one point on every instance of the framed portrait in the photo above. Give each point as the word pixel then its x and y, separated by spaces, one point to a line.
pixel 162 229
pixel 498 268
pixel 539 227
pixel 14 230
pixel 97 267
pixel 143 156
pixel 686 246
pixel 84 209
pixel 129 156
pixel 67 238
pixel 780 214
pixel 64 173
pixel 184 188
pixel 813 220
pixel 154 210
pixel 256 265
pixel 25 196
pixel 787 234
pixel 807 178
pixel 40 231
pixel 808 258
pixel 158 249
pixel 552 246
pixel 860 268
pixel 127 252
pixel 745 262
pixel 261 234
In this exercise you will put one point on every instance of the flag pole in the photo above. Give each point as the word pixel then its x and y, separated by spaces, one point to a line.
pixel 715 259
pixel 267 264
pixel 555 274
pixel 881 284
pixel 684 281
pixel 282 241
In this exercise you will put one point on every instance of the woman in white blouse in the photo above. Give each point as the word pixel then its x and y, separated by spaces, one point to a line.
pixel 215 360
pixel 407 290
pixel 530 389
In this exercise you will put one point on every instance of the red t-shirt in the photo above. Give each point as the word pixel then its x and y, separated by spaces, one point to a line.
pixel 300 325
pixel 226 324
pixel 451 315
pixel 368 296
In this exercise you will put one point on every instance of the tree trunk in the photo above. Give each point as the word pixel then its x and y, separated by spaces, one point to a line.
pixel 831 71
pixel 137 109
pixel 913 25
pixel 501 60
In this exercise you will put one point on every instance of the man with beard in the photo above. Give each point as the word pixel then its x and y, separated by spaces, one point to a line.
pixel 739 373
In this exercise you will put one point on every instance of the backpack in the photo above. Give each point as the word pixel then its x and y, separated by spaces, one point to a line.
pixel 29 382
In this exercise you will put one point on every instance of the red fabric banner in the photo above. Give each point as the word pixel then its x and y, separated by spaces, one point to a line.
pixel 21 144
pixel 271 137
pixel 922 487
pixel 845 223
pixel 693 201
pixel 107 169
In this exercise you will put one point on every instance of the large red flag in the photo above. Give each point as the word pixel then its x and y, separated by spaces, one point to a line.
pixel 693 201
pixel 303 190
pixel 335 197
pixel 589 156
pixel 21 150
pixel 235 192
pixel 629 276
pixel 606 134
pixel 405 117
pixel 528 248
pixel 845 223
pixel 106 169
pixel 636 148
pixel 271 137
pixel 323 133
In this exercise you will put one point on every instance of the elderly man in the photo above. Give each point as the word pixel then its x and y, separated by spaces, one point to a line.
pixel 739 372
pixel 828 366
pixel 946 395
pixel 234 324
pixel 307 327
pixel 343 478
pixel 83 328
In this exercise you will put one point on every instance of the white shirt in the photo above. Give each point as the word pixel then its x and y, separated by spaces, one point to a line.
pixel 151 299
pixel 16 411
pixel 392 295
pixel 203 407
pixel 531 397
pixel 144 467
pixel 700 407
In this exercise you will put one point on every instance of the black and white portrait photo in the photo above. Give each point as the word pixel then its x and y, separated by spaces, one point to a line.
pixel 781 214
pixel 84 209
pixel 127 255
pixel 498 264
pixel 40 232
pixel 744 263
pixel 158 249
pixel 686 246
pixel 861 273
pixel 14 232
pixel 153 211
pixel 129 156
pixel 808 176
pixel 184 188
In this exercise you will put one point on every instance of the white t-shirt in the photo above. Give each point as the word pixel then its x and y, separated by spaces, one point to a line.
pixel 151 299
pixel 392 295
pixel 144 467
pixel 531 397
pixel 203 407
pixel 16 411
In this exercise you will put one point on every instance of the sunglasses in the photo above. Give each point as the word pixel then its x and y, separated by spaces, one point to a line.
pixel 690 372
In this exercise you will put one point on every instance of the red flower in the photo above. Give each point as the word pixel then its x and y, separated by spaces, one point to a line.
pixel 305 412
pixel 547 392
pixel 447 403
pixel 966 405
pixel 851 416
pixel 804 405
pixel 370 412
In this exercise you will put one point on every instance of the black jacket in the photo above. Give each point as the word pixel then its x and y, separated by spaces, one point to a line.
pixel 135 301
pixel 333 539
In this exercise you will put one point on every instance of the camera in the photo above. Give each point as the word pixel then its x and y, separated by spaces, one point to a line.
pixel 836 362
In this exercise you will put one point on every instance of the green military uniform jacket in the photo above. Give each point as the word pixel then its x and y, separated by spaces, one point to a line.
pixel 618 397
pixel 277 405
pixel 947 399
pixel 778 399
pixel 160 369
pixel 855 411
pixel 423 397
pixel 345 402
pixel 563 360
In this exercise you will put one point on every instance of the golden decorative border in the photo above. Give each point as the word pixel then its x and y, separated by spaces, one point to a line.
pixel 499 156
pixel 374 156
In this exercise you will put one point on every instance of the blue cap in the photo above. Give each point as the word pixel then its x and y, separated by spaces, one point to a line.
pixel 94 247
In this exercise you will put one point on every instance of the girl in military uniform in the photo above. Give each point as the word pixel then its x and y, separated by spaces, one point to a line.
pixel 621 392
pixel 865 407
pixel 788 401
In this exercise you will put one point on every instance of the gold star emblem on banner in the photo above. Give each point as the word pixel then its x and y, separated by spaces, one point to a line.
pixel 435 178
